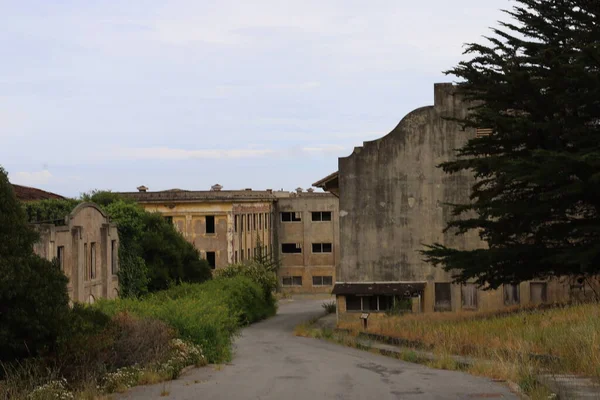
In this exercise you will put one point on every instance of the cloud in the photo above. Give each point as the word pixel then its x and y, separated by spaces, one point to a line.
pixel 168 153
pixel 253 151
pixel 32 178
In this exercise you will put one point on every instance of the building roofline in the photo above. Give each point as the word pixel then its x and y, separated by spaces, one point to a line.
pixel 322 182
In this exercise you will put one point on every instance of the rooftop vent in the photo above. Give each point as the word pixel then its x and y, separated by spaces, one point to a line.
pixel 248 189
pixel 216 188
pixel 299 190
pixel 310 190
pixel 269 190
pixel 142 188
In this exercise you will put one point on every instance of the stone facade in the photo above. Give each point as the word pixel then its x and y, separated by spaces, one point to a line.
pixel 226 227
pixel 393 199
pixel 86 247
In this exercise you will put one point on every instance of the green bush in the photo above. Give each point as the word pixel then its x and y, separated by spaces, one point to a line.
pixel 259 273
pixel 33 291
pixel 207 314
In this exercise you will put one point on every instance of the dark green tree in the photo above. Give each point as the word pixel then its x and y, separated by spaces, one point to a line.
pixel 536 84
pixel 33 291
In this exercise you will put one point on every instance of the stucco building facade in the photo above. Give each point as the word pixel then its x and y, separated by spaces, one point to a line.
pixel 86 247
pixel 392 200
pixel 227 226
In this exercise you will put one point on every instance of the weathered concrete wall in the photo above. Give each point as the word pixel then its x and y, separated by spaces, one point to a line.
pixel 306 232
pixel 393 196
pixel 393 199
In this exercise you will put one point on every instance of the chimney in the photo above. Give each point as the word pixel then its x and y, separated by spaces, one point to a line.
pixel 142 189
pixel 269 190
pixel 216 188
pixel 299 190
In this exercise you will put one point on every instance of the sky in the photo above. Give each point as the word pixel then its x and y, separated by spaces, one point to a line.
pixel 185 94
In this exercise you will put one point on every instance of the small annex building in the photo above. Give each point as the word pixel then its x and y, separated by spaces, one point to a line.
pixel 86 245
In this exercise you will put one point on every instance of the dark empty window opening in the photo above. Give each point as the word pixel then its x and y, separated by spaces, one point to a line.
pixel 113 257
pixel 60 256
pixel 291 248
pixel 322 280
pixel 321 247
pixel 235 257
pixel 291 217
pixel 253 222
pixel 260 222
pixel 291 281
pixel 321 216
pixel 235 223
pixel 379 303
pixel 211 257
pixel 443 296
pixel 210 224
pixel 512 295
pixel 169 220
pixel 92 260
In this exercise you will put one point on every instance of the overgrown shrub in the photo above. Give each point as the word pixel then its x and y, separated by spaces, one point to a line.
pixel 259 273
pixel 49 210
pixel 208 314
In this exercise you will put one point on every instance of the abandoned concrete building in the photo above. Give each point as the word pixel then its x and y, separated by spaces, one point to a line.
pixel 86 246
pixel 392 200
pixel 299 228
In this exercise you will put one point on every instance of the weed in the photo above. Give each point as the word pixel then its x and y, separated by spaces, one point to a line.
pixel 329 307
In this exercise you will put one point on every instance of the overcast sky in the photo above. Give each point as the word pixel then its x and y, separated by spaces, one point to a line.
pixel 113 94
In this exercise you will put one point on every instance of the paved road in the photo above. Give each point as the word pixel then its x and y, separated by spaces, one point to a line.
pixel 271 363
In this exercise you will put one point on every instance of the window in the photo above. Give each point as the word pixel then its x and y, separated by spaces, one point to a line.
pixel 443 296
pixel 318 216
pixel 85 262
pixel 321 247
pixel 538 292
pixel 291 281
pixel 113 257
pixel 260 222
pixel 482 132
pixel 169 220
pixel 235 257
pixel 322 280
pixel 248 254
pixel 512 295
pixel 266 221
pixel 253 222
pixel 235 223
pixel 469 296
pixel 353 303
pixel 372 303
pixel 210 224
pixel 242 252
pixel 291 217
pixel 93 260
pixel 242 222
pixel 60 257
pixel 211 258
pixel 291 248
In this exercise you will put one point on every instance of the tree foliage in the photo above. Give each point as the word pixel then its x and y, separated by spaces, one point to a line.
pixel 537 199
pixel 53 211
pixel 33 291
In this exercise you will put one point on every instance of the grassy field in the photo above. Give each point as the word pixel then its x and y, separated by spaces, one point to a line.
pixel 571 334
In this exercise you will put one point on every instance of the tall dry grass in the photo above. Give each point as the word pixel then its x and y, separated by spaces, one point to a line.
pixel 569 333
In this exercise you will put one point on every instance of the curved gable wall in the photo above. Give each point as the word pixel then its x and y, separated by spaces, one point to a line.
pixel 392 195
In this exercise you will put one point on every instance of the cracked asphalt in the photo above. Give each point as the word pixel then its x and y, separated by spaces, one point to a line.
pixel 271 363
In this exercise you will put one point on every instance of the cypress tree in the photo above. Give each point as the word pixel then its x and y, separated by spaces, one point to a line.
pixel 536 85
